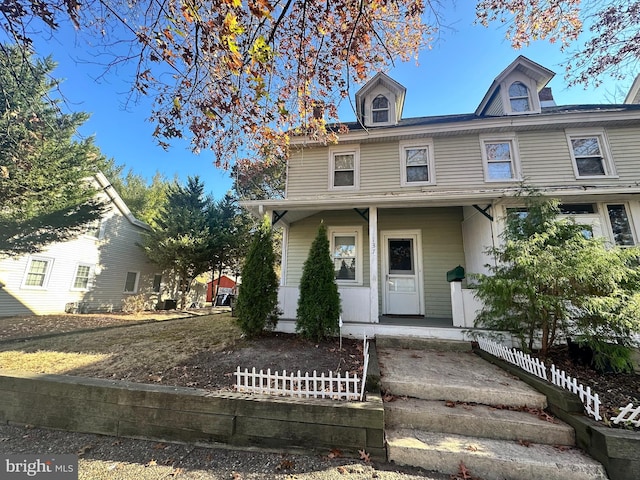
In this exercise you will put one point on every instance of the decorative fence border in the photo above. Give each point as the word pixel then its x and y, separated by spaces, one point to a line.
pixel 335 387
pixel 634 415
pixel 591 401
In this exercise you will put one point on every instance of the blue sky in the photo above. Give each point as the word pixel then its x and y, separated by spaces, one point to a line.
pixel 451 78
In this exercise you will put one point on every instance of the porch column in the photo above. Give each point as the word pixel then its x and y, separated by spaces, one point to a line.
pixel 373 265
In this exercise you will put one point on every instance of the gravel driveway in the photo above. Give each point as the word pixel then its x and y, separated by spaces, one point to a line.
pixel 111 458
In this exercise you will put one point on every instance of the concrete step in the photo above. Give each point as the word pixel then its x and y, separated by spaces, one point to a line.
pixel 490 459
pixel 475 420
pixel 416 343
pixel 455 376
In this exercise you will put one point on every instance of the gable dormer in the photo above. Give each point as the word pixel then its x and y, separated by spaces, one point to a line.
pixel 380 101
pixel 516 90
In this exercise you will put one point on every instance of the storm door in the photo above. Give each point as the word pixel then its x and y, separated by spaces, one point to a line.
pixel 402 274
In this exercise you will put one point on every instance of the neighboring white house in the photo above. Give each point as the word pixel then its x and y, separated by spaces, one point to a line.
pixel 406 200
pixel 92 273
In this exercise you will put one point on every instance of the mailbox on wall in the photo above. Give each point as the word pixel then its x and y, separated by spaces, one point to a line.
pixel 455 275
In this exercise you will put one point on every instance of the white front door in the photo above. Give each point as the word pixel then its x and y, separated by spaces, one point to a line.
pixel 402 269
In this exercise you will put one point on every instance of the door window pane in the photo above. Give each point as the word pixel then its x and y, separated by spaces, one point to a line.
pixel 401 256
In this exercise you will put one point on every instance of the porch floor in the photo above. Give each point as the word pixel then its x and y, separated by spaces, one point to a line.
pixel 415 321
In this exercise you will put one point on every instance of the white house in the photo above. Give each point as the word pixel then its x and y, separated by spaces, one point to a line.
pixel 95 272
pixel 406 200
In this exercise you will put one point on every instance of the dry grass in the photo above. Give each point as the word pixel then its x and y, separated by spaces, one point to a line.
pixel 116 353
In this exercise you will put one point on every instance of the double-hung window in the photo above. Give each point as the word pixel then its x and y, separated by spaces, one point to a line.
pixel 500 158
pixel 346 253
pixel 621 229
pixel 82 278
pixel 344 169
pixel 37 273
pixel 131 282
pixel 590 155
pixel 380 109
pixel 417 163
pixel 519 98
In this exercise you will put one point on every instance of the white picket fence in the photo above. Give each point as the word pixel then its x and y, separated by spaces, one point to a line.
pixel 591 401
pixel 633 415
pixel 304 385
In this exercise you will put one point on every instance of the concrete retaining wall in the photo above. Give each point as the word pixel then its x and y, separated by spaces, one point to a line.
pixel 191 415
pixel 616 449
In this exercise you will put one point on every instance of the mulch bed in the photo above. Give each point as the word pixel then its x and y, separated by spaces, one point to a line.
pixel 614 389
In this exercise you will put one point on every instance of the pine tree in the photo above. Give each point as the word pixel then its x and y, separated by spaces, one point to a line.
pixel 181 238
pixel 257 305
pixel 319 302
pixel 46 194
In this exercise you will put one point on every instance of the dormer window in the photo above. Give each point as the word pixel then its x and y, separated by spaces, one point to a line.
pixel 380 109
pixel 519 97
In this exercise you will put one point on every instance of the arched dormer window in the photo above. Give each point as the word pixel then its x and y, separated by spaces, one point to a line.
pixel 519 97
pixel 380 109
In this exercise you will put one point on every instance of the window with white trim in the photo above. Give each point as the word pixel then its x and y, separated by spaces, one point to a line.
pixel 82 278
pixel 37 273
pixel 94 229
pixel 519 97
pixel 417 163
pixel 131 282
pixel 380 109
pixel 344 169
pixel 621 229
pixel 346 253
pixel 500 158
pixel 590 155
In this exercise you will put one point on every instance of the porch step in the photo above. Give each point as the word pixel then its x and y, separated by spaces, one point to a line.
pixel 417 343
pixel 454 376
pixel 475 420
pixel 490 459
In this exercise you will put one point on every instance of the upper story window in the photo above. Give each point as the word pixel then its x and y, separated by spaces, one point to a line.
pixel 37 273
pixel 590 155
pixel 500 158
pixel 346 252
pixel 94 229
pixel 620 225
pixel 519 97
pixel 344 169
pixel 380 109
pixel 417 164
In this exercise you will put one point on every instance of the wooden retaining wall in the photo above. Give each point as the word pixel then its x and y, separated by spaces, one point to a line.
pixel 191 415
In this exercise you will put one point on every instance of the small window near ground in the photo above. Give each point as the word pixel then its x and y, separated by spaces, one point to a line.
pixel 590 156
pixel 500 159
pixel 620 225
pixel 37 272
pixel 131 283
pixel 83 275
pixel 157 282
pixel 519 97
pixel 380 109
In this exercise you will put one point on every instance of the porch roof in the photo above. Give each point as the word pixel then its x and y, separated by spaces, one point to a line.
pixel 299 208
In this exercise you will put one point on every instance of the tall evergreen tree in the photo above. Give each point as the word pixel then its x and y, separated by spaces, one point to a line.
pixel 180 242
pixel 319 302
pixel 257 305
pixel 46 193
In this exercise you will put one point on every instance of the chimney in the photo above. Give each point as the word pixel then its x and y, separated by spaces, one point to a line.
pixel 546 97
